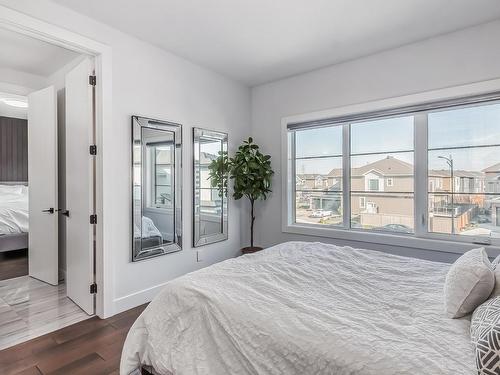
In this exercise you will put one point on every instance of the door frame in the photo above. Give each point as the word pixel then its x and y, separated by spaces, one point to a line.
pixel 33 27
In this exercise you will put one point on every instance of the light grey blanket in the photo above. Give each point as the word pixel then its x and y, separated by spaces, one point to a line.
pixel 303 308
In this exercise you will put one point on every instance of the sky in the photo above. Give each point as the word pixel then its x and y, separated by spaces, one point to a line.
pixel 473 126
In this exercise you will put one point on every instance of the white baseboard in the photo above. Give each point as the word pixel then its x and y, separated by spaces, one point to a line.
pixel 136 299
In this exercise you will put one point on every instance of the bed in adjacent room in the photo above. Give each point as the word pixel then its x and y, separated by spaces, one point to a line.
pixel 13 216
pixel 148 235
pixel 303 308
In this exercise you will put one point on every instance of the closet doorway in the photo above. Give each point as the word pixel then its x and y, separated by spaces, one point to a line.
pixel 47 187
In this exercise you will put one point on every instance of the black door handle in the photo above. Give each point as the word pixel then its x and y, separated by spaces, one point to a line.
pixel 49 210
pixel 65 213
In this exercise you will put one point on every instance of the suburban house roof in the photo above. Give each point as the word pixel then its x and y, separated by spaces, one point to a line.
pixel 445 173
pixel 495 168
pixel 310 176
pixel 389 166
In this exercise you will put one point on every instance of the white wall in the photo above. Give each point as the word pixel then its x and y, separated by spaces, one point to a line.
pixel 150 82
pixel 462 57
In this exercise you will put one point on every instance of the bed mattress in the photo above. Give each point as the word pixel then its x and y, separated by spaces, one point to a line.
pixel 303 308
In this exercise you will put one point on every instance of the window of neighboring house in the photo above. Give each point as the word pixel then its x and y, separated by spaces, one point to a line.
pixel 319 181
pixel 463 144
pixel 392 153
pixel 432 185
pixel 373 184
pixel 362 202
pixel 458 144
pixel 318 151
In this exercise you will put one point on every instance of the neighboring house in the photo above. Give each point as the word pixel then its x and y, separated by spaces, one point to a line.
pixel 308 198
pixel 311 182
pixel 382 193
pixel 492 178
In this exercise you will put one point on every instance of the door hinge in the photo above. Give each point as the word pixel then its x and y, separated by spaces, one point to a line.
pixel 93 219
pixel 93 150
pixel 93 288
pixel 92 80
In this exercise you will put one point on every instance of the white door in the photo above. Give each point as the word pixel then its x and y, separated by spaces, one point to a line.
pixel 79 186
pixel 42 180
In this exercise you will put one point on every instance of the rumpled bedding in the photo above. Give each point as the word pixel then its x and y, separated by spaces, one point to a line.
pixel 13 209
pixel 303 308
pixel 148 229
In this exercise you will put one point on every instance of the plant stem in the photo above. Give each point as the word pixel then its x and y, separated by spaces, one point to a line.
pixel 252 201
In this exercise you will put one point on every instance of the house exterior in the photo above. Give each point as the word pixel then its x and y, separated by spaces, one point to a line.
pixel 492 178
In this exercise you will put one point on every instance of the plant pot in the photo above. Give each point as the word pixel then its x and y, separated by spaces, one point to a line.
pixel 250 249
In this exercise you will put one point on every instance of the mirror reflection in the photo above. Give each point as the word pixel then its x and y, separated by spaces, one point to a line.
pixel 210 186
pixel 156 183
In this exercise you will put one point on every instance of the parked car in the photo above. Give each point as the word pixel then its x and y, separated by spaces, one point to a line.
pixel 482 219
pixel 320 213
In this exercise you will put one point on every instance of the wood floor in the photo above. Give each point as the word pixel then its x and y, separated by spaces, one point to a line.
pixel 91 347
pixel 13 264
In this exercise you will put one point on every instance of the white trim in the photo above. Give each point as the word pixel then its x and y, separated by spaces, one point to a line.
pixel 431 241
pixel 137 298
pixel 408 241
pixel 27 25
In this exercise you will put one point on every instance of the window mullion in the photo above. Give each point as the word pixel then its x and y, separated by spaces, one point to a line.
pixel 420 174
pixel 292 199
pixel 346 175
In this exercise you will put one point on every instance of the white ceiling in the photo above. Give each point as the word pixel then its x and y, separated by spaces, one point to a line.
pixel 28 55
pixel 256 41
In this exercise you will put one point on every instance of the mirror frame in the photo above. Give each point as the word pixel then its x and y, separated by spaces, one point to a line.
pixel 199 240
pixel 138 123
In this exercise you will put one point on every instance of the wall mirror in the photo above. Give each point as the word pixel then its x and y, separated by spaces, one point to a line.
pixel 157 188
pixel 210 189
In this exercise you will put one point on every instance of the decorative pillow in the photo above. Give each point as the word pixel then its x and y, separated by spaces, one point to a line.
pixel 485 336
pixel 469 283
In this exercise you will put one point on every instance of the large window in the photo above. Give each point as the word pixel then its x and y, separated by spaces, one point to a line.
pixel 382 151
pixel 361 172
pixel 318 176
pixel 464 171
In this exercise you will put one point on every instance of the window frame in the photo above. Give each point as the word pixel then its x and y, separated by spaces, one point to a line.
pixel 418 105
pixel 151 199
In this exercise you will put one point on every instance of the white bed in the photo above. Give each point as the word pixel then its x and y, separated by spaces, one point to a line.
pixel 303 308
pixel 13 209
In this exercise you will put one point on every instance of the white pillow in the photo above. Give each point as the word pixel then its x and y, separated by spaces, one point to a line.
pixel 469 283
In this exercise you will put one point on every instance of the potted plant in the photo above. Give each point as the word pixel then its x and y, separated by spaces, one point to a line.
pixel 251 173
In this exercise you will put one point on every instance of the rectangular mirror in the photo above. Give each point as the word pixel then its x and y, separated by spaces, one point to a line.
pixel 157 188
pixel 210 186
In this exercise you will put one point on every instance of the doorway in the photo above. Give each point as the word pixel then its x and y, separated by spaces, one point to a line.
pixel 47 187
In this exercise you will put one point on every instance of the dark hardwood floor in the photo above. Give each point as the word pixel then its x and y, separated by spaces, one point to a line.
pixel 13 264
pixel 91 347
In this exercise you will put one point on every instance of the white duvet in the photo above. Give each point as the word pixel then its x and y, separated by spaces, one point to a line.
pixel 299 309
pixel 13 209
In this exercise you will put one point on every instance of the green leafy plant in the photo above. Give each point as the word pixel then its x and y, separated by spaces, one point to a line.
pixel 251 173
pixel 218 172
